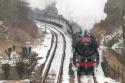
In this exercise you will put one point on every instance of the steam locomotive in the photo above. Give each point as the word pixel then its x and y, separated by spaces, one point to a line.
pixel 85 52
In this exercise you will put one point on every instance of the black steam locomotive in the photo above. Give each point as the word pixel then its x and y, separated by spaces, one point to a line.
pixel 85 52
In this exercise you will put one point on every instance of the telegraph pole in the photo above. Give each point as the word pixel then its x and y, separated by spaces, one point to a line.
pixel 45 14
pixel 123 24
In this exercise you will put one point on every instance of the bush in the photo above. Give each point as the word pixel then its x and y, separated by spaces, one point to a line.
pixel 105 66
pixel 6 68
pixel 20 67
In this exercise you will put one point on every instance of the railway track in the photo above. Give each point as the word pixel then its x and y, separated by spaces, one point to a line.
pixel 46 78
pixel 86 78
pixel 46 74
pixel 37 76
pixel 49 59
pixel 62 61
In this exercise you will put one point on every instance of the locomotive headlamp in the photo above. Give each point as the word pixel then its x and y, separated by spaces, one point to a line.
pixel 77 65
pixel 77 60
pixel 95 60
pixel 86 60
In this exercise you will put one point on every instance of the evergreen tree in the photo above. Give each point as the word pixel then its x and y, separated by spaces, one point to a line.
pixel 20 67
pixel 6 69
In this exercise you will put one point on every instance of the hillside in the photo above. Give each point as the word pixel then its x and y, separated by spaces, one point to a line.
pixel 114 18
pixel 16 27
pixel 110 34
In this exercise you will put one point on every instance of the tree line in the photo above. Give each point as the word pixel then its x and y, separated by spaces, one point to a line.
pixel 13 11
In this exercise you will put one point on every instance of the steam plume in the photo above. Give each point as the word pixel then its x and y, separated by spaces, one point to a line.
pixel 40 4
pixel 86 13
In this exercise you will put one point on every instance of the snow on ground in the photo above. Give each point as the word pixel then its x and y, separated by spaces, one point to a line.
pixel 116 34
pixel 1 81
pixel 43 47
pixel 45 50
pixel 86 79
pixel 68 55
pixel 15 81
pixel 42 51
pixel 55 64
pixel 76 78
pixel 119 44
pixel 14 57
pixel 99 74
pixel 119 47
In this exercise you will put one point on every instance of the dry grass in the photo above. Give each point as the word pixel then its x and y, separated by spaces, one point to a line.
pixel 24 31
pixel 112 60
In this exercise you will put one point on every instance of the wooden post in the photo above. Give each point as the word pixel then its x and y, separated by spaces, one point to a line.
pixel 114 72
pixel 45 15
pixel 118 73
pixel 107 69
pixel 58 20
pixel 122 76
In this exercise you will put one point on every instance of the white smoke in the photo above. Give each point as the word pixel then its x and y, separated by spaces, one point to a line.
pixel 40 4
pixel 86 13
